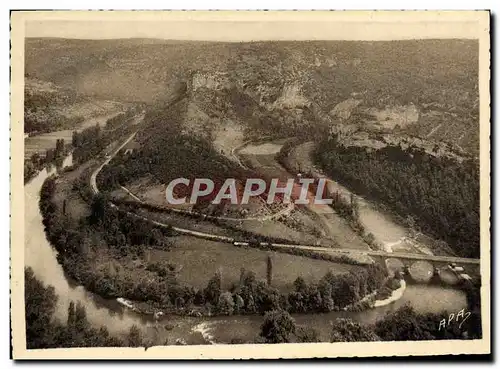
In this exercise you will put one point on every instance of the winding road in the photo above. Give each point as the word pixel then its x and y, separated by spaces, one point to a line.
pixel 93 177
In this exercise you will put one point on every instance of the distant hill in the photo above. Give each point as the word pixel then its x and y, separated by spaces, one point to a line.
pixel 426 88
pixel 49 107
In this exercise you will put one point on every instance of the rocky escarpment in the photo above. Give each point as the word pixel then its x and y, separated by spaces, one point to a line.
pixel 291 97
pixel 216 100
pixel 391 78
pixel 209 80
pixel 344 109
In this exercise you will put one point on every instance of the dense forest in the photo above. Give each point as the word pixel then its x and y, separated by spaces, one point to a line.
pixel 441 194
pixel 123 234
pixel 166 153
pixel 88 143
pixel 91 141
pixel 42 111
pixel 178 156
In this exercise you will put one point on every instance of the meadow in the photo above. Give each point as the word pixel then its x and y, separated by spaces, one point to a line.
pixel 199 260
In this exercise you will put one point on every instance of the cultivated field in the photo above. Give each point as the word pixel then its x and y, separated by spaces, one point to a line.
pixel 40 143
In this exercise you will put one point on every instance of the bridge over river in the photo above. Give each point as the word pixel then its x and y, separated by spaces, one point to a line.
pixel 383 254
pixel 420 267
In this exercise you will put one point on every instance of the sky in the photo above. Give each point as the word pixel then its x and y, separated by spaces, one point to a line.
pixel 322 26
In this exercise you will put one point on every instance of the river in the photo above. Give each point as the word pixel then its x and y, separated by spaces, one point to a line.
pixel 41 257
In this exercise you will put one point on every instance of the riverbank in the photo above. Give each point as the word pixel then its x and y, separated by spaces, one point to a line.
pixel 110 270
pixel 54 157
pixel 40 255
pixel 374 300
pixel 104 279
pixel 395 296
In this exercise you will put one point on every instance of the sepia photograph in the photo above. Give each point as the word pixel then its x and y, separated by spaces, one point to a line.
pixel 236 185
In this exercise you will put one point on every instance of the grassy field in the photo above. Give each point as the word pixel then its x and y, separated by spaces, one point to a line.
pixel 40 143
pixel 200 259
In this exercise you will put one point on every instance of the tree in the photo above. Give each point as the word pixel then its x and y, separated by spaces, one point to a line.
pixel 300 284
pixel 134 337
pixel 59 147
pixel 98 208
pixel 278 327
pixel 251 307
pixel 71 314
pixel 325 289
pixel 269 271
pixel 266 298
pixel 40 304
pixel 49 155
pixel 307 334
pixel 199 298
pixel 29 170
pixel 410 223
pixel 239 304
pixel 345 289
pixel 226 303
pixel 345 330
pixel 213 289
pixel 376 276
pixel 242 276
pixel 81 321
pixel 35 159
pixel 316 300
pixel 76 139
pixel 249 279
pixel 297 303
pixel 402 325
pixel 78 331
